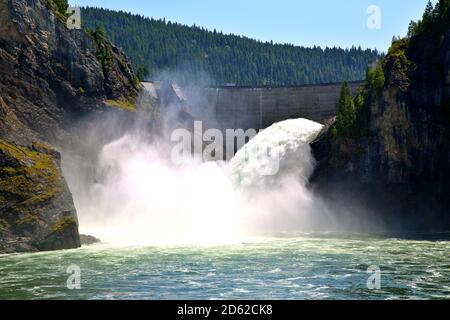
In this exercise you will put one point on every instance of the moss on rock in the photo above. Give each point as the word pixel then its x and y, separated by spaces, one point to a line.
pixel 36 208
pixel 64 223
pixel 4 224
pixel 31 176
pixel 121 104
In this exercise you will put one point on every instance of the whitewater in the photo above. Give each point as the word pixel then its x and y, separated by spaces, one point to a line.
pixel 219 230
pixel 141 198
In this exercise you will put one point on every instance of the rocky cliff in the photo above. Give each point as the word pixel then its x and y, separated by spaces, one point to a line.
pixel 37 211
pixel 49 77
pixel 51 74
pixel 399 173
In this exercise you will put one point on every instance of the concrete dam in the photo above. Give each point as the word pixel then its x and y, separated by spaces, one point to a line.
pixel 259 107
pixel 237 107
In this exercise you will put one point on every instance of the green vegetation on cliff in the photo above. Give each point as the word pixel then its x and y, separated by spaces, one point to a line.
pixel 103 50
pixel 110 61
pixel 64 223
pixel 36 210
pixel 434 20
pixel 416 52
pixel 155 46
pixel 121 104
pixel 60 6
pixel 353 111
pixel 400 169
pixel 346 111
pixel 28 175
pixel 425 42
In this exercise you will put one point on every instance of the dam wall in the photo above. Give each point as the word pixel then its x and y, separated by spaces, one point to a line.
pixel 259 107
pixel 236 107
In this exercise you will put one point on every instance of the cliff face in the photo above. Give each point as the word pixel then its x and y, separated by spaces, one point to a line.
pixel 37 211
pixel 399 174
pixel 50 76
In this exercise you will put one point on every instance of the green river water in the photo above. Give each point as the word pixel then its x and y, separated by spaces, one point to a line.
pixel 295 267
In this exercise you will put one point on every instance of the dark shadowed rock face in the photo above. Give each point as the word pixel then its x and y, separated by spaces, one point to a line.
pixel 400 174
pixel 50 77
pixel 37 211
pixel 87 240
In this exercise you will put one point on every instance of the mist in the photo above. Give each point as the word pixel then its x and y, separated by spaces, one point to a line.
pixel 128 191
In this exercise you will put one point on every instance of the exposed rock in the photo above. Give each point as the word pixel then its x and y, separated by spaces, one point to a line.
pixel 88 240
pixel 50 77
pixel 37 211
pixel 399 175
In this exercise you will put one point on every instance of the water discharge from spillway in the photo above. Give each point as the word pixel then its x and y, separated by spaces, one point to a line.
pixel 143 199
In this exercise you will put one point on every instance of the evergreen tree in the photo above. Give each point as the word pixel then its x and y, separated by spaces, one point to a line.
pixel 157 46
pixel 426 34
pixel 428 14
pixel 346 115
pixel 378 78
pixel 61 5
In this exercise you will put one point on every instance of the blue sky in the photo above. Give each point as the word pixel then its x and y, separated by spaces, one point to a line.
pixel 301 22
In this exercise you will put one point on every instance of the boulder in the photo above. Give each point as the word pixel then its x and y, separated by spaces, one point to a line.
pixel 36 207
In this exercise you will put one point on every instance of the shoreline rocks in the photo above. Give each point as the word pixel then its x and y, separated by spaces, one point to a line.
pixel 87 240
pixel 36 207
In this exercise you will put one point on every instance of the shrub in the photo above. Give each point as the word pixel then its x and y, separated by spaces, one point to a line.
pixel 60 6
pixel 103 50
pixel 346 115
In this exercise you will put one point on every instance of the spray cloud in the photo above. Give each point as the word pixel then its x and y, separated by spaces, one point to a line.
pixel 131 192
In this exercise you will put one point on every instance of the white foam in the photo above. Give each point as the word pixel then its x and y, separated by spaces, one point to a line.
pixel 141 199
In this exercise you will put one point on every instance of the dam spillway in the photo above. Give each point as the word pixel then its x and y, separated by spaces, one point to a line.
pixel 260 107
pixel 243 107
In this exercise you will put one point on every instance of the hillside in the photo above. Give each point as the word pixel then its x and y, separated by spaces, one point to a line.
pixel 391 143
pixel 194 53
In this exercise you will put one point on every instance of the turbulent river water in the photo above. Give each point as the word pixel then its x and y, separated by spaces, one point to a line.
pixel 230 231
pixel 288 267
